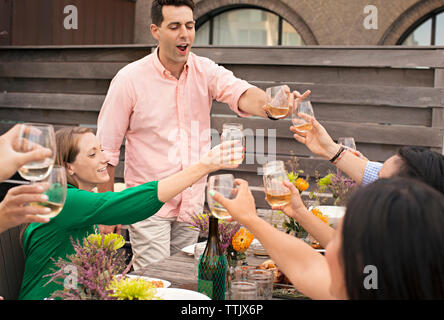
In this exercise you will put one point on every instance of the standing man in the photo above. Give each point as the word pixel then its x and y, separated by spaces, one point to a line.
pixel 161 104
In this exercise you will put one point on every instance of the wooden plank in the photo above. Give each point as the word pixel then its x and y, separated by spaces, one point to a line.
pixel 39 85
pixel 77 54
pixel 335 75
pixel 51 101
pixel 362 132
pixel 75 70
pixel 6 247
pixel 64 117
pixel 358 113
pixel 327 56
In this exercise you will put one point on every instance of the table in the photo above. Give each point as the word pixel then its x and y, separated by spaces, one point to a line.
pixel 179 269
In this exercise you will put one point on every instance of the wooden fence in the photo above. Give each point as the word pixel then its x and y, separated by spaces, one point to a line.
pixel 385 97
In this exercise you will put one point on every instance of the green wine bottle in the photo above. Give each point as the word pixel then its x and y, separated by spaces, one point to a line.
pixel 212 270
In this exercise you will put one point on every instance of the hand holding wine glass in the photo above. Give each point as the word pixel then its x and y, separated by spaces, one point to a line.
pixel 12 157
pixel 275 191
pixel 233 132
pixel 278 101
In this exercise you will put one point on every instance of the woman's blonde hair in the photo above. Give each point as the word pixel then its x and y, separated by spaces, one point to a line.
pixel 67 141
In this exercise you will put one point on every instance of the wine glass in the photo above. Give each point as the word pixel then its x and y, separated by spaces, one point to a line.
pixel 224 184
pixel 32 136
pixel 277 102
pixel 233 132
pixel 348 142
pixel 276 193
pixel 56 192
pixel 299 123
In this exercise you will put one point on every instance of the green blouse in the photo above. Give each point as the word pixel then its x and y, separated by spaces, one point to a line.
pixel 81 212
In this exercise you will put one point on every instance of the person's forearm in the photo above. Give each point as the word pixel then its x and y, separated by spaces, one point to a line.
pixel 353 166
pixel 252 101
pixel 307 269
pixel 108 186
pixel 316 228
pixel 173 185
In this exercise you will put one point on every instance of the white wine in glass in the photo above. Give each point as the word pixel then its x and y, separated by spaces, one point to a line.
pixel 33 136
pixel 276 194
pixel 56 192
pixel 224 184
pixel 299 123
pixel 277 102
pixel 233 132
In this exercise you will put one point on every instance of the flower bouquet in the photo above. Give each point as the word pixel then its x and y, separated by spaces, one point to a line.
pixel 96 271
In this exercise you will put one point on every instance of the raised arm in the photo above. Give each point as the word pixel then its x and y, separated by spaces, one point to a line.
pixel 319 142
pixel 307 269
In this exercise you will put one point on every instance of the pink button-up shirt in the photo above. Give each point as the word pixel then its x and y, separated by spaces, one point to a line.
pixel 166 122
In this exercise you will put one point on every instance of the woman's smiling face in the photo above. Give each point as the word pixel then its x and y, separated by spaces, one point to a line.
pixel 90 165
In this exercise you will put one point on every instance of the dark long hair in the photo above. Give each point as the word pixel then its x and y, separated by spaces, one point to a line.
pixel 423 164
pixel 397 226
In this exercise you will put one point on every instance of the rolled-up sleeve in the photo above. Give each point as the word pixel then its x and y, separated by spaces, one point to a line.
pixel 371 172
pixel 225 87
pixel 113 120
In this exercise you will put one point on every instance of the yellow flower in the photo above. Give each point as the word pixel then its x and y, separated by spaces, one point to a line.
pixel 301 184
pixel 242 240
pixel 319 214
pixel 117 240
pixel 132 289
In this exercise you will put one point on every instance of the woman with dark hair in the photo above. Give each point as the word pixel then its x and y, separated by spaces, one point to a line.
pixel 389 245
pixel 79 151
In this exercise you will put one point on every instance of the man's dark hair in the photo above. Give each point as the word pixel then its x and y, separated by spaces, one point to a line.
pixel 156 8
pixel 396 225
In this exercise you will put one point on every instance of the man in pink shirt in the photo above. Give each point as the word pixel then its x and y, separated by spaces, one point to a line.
pixel 161 105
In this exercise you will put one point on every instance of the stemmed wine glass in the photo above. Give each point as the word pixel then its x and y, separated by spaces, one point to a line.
pixel 348 142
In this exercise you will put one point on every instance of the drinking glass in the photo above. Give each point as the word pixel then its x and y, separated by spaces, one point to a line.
pixel 224 184
pixel 264 282
pixel 299 123
pixel 243 290
pixel 32 136
pixel 347 142
pixel 233 132
pixel 277 102
pixel 274 176
pixel 56 192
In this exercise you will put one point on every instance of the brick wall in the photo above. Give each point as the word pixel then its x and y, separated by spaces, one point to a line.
pixel 324 22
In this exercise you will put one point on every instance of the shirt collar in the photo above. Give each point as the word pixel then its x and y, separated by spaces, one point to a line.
pixel 161 69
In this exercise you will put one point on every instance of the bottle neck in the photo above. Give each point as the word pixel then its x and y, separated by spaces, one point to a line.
pixel 213 235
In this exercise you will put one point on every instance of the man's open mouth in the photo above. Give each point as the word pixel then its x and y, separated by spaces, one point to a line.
pixel 183 47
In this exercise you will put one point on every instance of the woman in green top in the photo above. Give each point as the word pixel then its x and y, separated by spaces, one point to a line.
pixel 79 151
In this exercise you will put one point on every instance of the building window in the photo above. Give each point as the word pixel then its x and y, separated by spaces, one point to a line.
pixel 247 26
pixel 429 31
